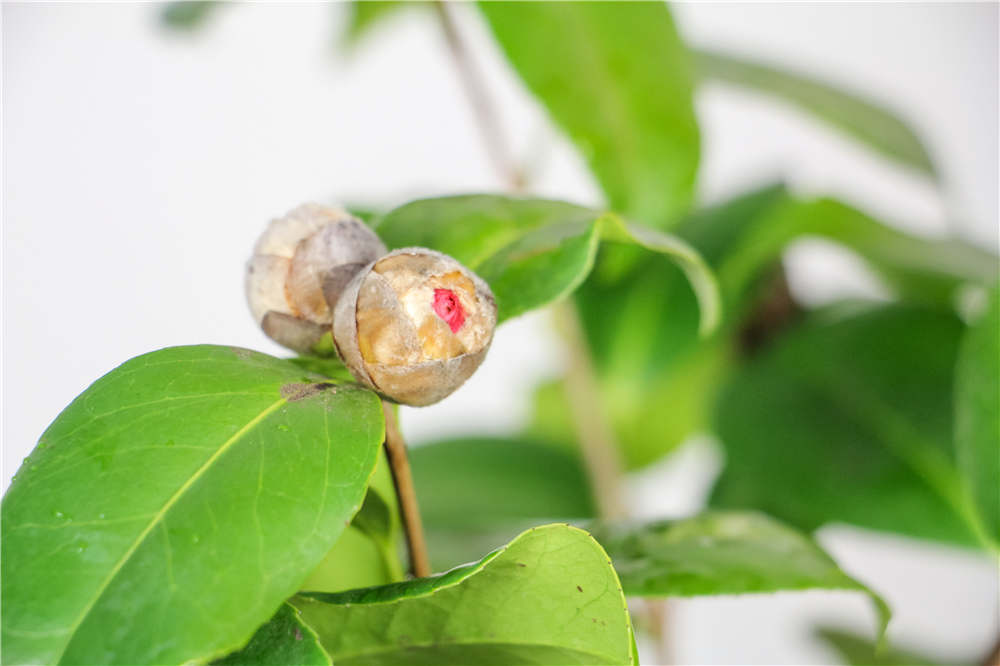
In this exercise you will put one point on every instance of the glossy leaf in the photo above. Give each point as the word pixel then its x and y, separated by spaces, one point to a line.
pixel 534 251
pixel 857 650
pixel 617 79
pixel 849 419
pixel 723 553
pixel 548 597
pixel 977 415
pixel 285 639
pixel 872 124
pixel 465 483
pixel 172 507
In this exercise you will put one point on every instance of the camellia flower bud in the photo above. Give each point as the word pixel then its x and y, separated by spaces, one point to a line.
pixel 414 325
pixel 299 268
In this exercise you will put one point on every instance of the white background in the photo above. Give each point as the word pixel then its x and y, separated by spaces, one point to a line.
pixel 140 165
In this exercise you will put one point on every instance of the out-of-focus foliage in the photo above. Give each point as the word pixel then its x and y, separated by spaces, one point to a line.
pixel 977 416
pixel 849 419
pixel 857 650
pixel 868 122
pixel 479 481
pixel 187 15
pixel 617 79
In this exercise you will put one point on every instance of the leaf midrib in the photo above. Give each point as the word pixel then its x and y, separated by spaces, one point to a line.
pixel 158 516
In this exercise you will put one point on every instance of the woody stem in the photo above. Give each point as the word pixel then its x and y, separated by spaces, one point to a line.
pixel 399 465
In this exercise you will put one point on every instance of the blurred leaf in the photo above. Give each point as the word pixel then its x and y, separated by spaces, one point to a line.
pixel 534 251
pixel 469 482
pixel 284 639
pixel 849 419
pixel 874 125
pixel 860 651
pixel 723 553
pixel 921 269
pixel 188 462
pixel 187 15
pixel 657 378
pixel 977 415
pixel 548 597
pixel 617 79
pixel 363 15
pixel 356 560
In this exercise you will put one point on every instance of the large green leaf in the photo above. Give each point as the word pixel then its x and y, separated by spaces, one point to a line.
pixel 534 251
pixel 723 553
pixel 849 419
pixel 617 79
pixel 548 597
pixel 977 416
pixel 870 123
pixel 172 507
pixel 658 379
pixel 284 640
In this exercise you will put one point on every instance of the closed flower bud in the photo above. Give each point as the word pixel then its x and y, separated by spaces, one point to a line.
pixel 414 325
pixel 300 266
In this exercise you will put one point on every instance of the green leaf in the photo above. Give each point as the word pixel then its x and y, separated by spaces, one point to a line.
pixel 657 377
pixel 172 507
pixel 284 639
pixel 849 419
pixel 477 493
pixel 872 124
pixel 534 251
pixel 977 415
pixel 723 553
pixel 464 483
pixel 860 651
pixel 926 270
pixel 617 79
pixel 187 15
pixel 548 597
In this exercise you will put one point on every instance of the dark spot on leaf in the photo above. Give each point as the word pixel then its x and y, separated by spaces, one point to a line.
pixel 242 354
pixel 298 391
pixel 579 588
pixel 521 564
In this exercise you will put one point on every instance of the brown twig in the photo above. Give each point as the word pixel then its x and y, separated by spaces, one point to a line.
pixel 399 465
pixel 479 98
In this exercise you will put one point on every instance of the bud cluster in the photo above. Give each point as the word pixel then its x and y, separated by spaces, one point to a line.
pixel 412 324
